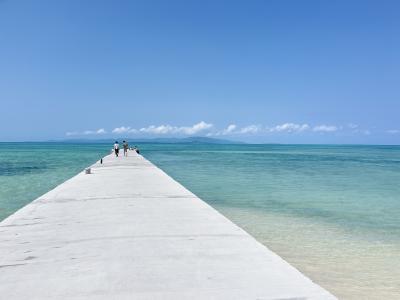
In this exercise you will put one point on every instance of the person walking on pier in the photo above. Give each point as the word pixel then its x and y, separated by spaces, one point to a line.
pixel 116 148
pixel 126 147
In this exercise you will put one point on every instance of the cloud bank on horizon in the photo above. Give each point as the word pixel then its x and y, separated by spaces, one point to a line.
pixel 208 129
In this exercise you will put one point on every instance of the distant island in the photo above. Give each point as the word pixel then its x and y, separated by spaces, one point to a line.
pixel 187 140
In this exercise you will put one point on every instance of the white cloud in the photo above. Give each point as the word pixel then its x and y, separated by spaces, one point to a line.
pixel 393 131
pixel 196 128
pixel 87 132
pixel 250 129
pixel 357 130
pixel 168 129
pixel 232 129
pixel 352 125
pixel 101 131
pixel 325 128
pixel 289 127
pixel 70 133
pixel 253 129
pixel 122 129
pixel 162 129
pixel 228 130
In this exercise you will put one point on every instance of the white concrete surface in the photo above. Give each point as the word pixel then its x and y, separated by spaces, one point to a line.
pixel 129 231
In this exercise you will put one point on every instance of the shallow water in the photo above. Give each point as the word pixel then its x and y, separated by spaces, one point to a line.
pixel 331 211
pixel 28 170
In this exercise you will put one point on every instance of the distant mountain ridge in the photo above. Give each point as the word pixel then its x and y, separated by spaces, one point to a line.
pixel 187 140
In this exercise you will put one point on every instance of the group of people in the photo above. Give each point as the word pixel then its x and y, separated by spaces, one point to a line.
pixel 125 146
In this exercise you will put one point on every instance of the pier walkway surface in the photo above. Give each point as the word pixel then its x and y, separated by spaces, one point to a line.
pixel 129 231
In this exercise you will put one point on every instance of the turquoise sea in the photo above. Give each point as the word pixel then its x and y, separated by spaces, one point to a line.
pixel 331 211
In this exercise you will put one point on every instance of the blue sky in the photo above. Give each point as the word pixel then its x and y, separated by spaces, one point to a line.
pixel 258 71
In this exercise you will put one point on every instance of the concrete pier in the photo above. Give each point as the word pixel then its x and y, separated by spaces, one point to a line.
pixel 129 231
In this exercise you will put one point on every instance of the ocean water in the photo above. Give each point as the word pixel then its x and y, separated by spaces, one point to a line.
pixel 28 170
pixel 331 211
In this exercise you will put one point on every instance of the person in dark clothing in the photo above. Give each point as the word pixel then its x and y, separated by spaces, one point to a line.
pixel 116 148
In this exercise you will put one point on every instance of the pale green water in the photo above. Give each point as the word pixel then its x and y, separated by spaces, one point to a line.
pixel 331 211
